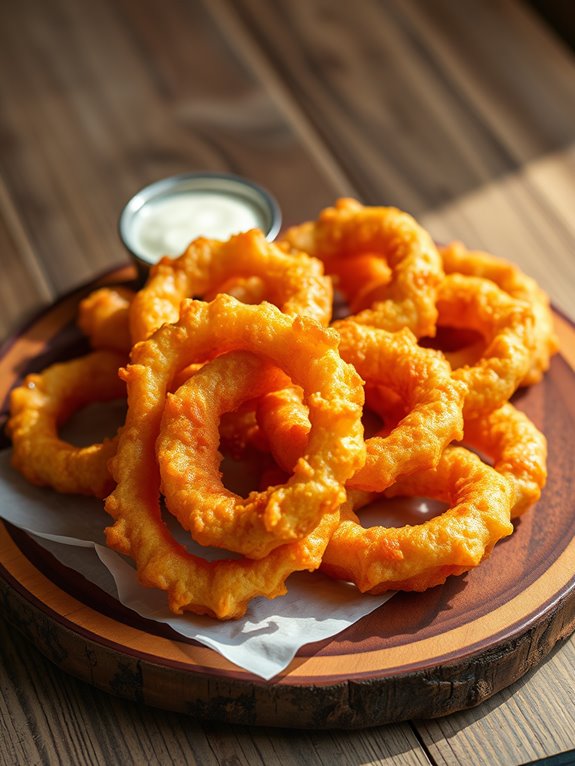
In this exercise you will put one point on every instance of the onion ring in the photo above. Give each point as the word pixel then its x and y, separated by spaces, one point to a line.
pixel 192 487
pixel 518 450
pixel 418 557
pixel 250 290
pixel 283 419
pixel 420 378
pixel 103 315
pixel 359 275
pixel 240 432
pixel 295 283
pixel 308 353
pixel 263 520
pixel 510 278
pixel 221 588
pixel 42 402
pixel 507 326
pixel 103 318
pixel 349 230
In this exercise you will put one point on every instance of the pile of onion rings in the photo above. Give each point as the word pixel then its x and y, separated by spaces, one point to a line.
pixel 230 355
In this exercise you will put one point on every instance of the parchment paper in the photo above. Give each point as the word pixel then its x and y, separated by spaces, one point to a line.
pixel 264 642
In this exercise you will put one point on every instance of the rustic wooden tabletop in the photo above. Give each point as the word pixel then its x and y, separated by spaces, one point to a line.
pixel 462 113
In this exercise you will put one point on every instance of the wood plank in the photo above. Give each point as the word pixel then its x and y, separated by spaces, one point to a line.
pixel 506 218
pixel 50 717
pixel 527 105
pixel 445 113
pixel 24 288
pixel 532 719
pixel 412 84
pixel 105 97
pixel 384 746
pixel 559 15
pixel 355 76
pixel 523 103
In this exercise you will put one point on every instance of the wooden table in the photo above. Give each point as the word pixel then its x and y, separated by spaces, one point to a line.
pixel 462 113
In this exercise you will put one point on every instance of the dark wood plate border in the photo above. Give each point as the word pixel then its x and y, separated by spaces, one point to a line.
pixel 356 679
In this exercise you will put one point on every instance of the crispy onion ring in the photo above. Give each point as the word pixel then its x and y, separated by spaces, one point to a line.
pixel 387 404
pixel 250 290
pixel 255 525
pixel 422 556
pixel 240 432
pixel 507 326
pixel 103 316
pixel 510 278
pixel 189 461
pixel 295 283
pixel 359 275
pixel 420 378
pixel 221 588
pixel 283 419
pixel 45 400
pixel 349 231
pixel 305 351
pixel 518 450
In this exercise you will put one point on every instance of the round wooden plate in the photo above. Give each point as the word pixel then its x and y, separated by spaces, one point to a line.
pixel 420 655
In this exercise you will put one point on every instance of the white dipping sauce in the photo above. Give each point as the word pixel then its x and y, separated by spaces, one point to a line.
pixel 167 225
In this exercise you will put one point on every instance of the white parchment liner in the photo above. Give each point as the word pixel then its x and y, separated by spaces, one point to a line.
pixel 264 642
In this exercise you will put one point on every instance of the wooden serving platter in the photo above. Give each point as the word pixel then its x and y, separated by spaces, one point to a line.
pixel 419 655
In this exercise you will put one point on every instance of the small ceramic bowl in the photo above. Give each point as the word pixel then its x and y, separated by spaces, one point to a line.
pixel 164 217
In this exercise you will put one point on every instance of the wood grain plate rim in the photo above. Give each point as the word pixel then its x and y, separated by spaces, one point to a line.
pixel 31 583
pixel 22 577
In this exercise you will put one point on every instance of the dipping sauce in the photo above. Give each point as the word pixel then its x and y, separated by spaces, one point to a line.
pixel 163 218
pixel 167 226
